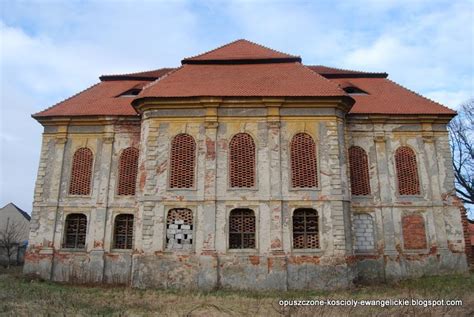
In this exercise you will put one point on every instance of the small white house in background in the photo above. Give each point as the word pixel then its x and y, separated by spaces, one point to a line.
pixel 14 231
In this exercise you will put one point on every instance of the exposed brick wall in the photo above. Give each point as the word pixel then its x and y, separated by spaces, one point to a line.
pixel 305 229
pixel 407 171
pixel 179 229
pixel 364 234
pixel 414 233
pixel 242 161
pixel 81 172
pixel 467 235
pixel 123 232
pixel 242 229
pixel 359 171
pixel 183 156
pixel 128 169
pixel 75 230
pixel 304 165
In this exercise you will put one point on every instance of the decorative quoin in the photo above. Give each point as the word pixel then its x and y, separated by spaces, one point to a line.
pixel 246 169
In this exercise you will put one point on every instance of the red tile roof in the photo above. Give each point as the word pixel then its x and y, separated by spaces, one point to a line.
pixel 99 99
pixel 331 72
pixel 240 50
pixel 387 97
pixel 148 75
pixel 267 79
pixel 245 69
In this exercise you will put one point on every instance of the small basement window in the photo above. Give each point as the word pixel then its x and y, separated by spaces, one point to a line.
pixel 130 93
pixel 354 90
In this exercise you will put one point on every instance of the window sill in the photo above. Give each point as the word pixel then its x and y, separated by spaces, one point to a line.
pixel 126 251
pixel 306 251
pixel 242 251
pixel 73 250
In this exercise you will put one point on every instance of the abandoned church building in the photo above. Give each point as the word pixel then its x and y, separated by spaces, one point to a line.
pixel 244 168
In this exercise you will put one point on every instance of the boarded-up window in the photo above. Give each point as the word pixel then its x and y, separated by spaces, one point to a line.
pixel 128 168
pixel 305 229
pixel 123 232
pixel 242 229
pixel 359 170
pixel 242 161
pixel 414 234
pixel 75 231
pixel 179 229
pixel 407 171
pixel 81 172
pixel 364 233
pixel 304 164
pixel 182 163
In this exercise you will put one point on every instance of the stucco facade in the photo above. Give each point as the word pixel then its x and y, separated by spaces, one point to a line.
pixel 360 237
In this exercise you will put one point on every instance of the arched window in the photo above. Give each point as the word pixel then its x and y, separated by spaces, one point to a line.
pixel 359 169
pixel 128 168
pixel 305 229
pixel 414 232
pixel 304 165
pixel 364 233
pixel 242 229
pixel 75 230
pixel 179 229
pixel 81 172
pixel 182 161
pixel 123 231
pixel 242 161
pixel 407 171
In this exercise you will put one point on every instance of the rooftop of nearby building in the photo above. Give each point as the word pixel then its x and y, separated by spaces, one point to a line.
pixel 246 69
pixel 21 211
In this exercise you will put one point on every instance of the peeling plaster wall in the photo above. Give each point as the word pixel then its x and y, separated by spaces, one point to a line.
pixel 273 264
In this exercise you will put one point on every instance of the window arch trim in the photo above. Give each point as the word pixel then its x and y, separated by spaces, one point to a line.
pixel 75 239
pixel 170 235
pixel 128 235
pixel 242 233
pixel 314 234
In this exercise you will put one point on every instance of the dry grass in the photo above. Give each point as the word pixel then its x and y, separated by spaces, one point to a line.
pixel 22 296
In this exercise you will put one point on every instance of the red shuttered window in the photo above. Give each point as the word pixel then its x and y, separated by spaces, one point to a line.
pixel 359 170
pixel 183 155
pixel 304 163
pixel 128 168
pixel 81 172
pixel 407 171
pixel 242 161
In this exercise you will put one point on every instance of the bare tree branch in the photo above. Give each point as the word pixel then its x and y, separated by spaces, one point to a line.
pixel 10 237
pixel 461 131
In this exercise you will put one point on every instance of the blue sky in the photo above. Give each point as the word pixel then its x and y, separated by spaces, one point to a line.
pixel 50 50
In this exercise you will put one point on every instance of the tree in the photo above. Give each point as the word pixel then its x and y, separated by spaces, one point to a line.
pixel 10 236
pixel 461 130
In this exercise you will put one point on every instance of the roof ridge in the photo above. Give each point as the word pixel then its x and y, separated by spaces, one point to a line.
pixel 344 69
pixel 59 102
pixel 345 72
pixel 142 75
pixel 328 80
pixel 24 213
pixel 154 82
pixel 419 95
